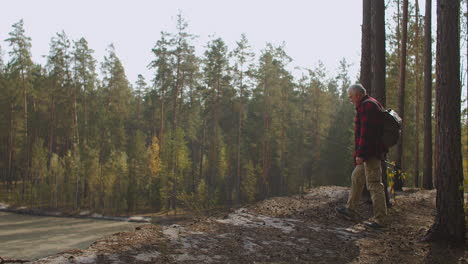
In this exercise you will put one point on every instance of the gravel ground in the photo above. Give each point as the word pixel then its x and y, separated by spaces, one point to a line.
pixel 296 229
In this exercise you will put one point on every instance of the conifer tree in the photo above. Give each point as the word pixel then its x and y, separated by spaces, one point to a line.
pixel 242 59
pixel 401 92
pixel 163 78
pixel 116 95
pixel 20 66
pixel 449 224
pixel 215 71
pixel 427 171
pixel 85 77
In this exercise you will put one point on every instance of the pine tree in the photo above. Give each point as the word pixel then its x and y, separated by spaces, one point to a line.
pixel 242 59
pixel 163 81
pixel 449 222
pixel 85 77
pixel 401 93
pixel 215 72
pixel 339 145
pixel 427 177
pixel 20 67
pixel 61 95
pixel 155 168
pixel 116 95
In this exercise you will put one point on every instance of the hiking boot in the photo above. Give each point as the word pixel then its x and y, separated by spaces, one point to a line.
pixel 373 224
pixel 347 213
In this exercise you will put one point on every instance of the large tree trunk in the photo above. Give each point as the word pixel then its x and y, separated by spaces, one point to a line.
pixel 366 60
pixel 378 50
pixel 418 83
pixel 378 65
pixel 366 74
pixel 449 222
pixel 401 93
pixel 427 170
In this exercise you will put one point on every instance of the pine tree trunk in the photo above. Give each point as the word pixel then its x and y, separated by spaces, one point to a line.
pixel 162 117
pixel 401 94
pixel 266 132
pixel 366 60
pixel 466 84
pixel 178 84
pixel 25 172
pixel 239 141
pixel 449 222
pixel 202 148
pixel 378 65
pixel 301 143
pixel 85 117
pixel 282 187
pixel 11 145
pixel 76 134
pixel 418 83
pixel 427 170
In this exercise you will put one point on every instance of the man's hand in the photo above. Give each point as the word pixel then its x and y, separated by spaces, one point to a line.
pixel 359 160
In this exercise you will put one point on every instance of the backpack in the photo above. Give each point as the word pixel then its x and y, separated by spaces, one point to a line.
pixel 391 125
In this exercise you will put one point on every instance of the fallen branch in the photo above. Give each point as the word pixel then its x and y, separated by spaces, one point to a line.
pixel 2 260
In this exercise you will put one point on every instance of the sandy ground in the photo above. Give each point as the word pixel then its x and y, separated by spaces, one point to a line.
pixel 297 229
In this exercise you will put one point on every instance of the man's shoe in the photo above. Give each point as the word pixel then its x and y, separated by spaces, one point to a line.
pixel 373 224
pixel 346 213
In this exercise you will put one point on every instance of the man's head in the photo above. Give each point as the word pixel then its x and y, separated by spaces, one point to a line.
pixel 355 93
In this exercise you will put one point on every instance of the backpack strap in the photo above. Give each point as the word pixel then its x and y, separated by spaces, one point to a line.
pixel 379 106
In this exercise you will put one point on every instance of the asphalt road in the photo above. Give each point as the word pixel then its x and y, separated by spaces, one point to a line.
pixel 32 237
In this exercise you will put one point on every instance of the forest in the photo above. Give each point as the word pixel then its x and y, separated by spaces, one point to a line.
pixel 227 127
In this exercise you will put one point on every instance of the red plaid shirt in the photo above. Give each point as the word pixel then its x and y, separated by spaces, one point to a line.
pixel 368 129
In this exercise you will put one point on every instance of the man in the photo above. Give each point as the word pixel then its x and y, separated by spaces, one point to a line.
pixel 368 153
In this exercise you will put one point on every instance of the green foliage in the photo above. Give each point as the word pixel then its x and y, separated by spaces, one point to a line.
pixel 249 184
pixel 39 161
pixel 199 201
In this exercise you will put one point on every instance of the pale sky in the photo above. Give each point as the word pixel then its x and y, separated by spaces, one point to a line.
pixel 313 30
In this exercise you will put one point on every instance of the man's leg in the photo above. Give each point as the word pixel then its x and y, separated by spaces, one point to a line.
pixel 358 181
pixel 373 173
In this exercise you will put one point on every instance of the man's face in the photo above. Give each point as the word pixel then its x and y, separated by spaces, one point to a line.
pixel 355 98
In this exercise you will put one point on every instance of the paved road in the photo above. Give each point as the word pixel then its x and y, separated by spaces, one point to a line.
pixel 33 237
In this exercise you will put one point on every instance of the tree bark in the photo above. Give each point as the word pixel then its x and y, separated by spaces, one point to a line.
pixel 266 142
pixel 162 117
pixel 378 50
pixel 449 222
pixel 366 74
pixel 378 66
pixel 401 94
pixel 427 167
pixel 239 141
pixel 366 60
pixel 418 82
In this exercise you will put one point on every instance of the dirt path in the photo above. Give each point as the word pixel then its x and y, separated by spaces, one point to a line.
pixel 298 229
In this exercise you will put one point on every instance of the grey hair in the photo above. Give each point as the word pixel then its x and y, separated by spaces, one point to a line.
pixel 357 88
